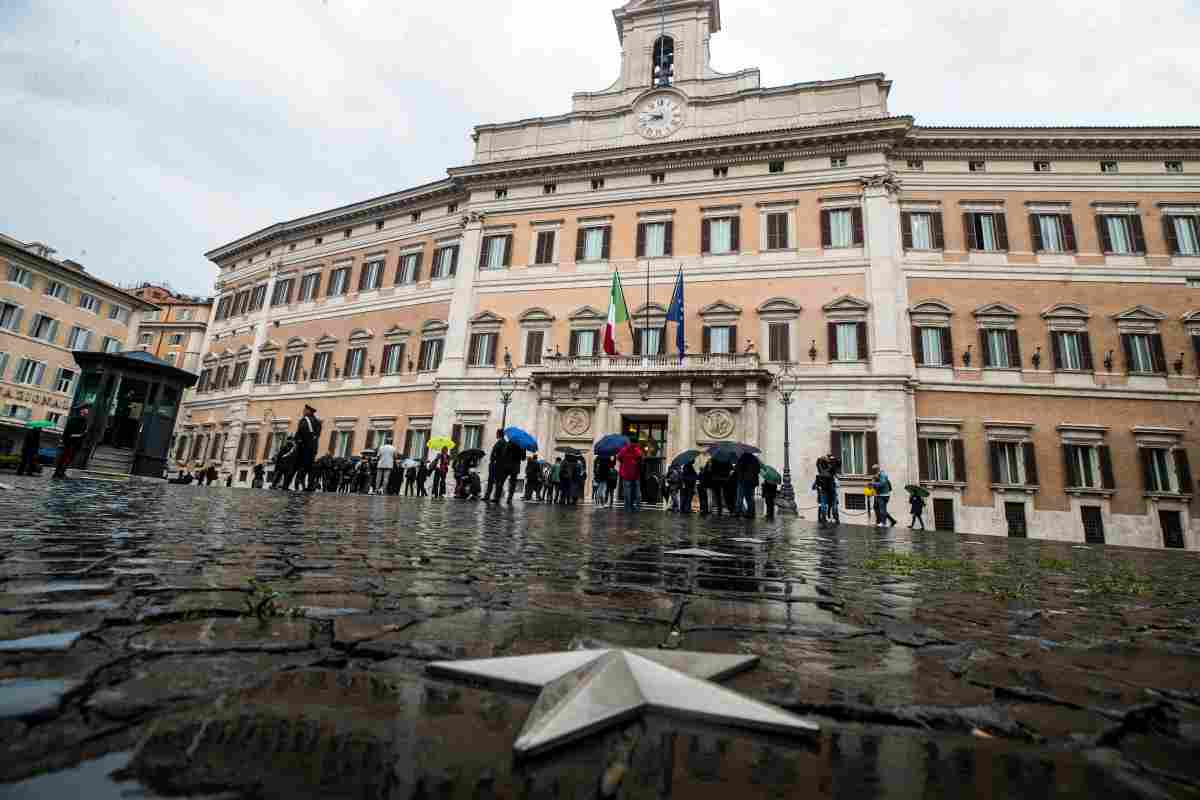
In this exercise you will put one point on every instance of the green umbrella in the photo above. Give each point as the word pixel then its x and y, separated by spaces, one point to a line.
pixel 41 423
pixel 916 490
pixel 770 474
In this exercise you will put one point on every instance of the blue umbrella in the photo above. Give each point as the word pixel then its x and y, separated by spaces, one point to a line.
pixel 611 444
pixel 521 439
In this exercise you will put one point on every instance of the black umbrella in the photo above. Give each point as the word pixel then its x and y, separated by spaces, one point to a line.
pixel 686 457
pixel 571 451
pixel 729 452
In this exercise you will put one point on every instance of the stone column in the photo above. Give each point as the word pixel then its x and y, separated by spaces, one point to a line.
pixel 261 324
pixel 462 304
pixel 600 422
pixel 687 439
pixel 750 412
pixel 543 417
pixel 887 290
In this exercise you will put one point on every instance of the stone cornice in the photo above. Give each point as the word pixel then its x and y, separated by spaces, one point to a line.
pixel 1051 143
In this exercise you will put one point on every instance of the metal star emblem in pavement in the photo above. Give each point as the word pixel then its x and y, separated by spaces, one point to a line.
pixel 583 691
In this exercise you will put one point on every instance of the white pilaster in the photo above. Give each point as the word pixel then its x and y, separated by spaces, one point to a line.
pixel 462 303
pixel 887 290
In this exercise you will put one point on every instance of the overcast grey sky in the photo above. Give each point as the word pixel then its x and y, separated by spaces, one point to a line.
pixel 137 134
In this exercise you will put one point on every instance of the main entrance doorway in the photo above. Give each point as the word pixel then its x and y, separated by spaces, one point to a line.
pixel 651 434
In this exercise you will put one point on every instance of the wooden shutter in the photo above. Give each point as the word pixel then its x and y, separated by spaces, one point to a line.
pixel 985 352
pixel 668 238
pixel 573 344
pixel 1139 236
pixel 1106 467
pixel 707 340
pixel 856 221
pixel 1147 469
pixel 637 341
pixel 939 236
pixel 1070 468
pixel 863 350
pixel 456 436
pixel 779 347
pixel 454 260
pixel 332 441
pixel 735 234
pixel 1127 347
pixel 1068 229
pixel 994 457
pixel 662 340
pixel 595 343
pixel 1001 230
pixel 947 348
pixel 580 242
pixel 350 444
pixel 606 243
pixel 1085 351
pixel 872 448
pixel 923 459
pixel 1014 349
pixel 1157 353
pixel 1056 348
pixel 641 240
pixel 508 250
pixel 835 443
pixel 906 229
pixel 831 328
pixel 493 344
pixel 1196 348
pixel 473 349
pixel 1183 470
pixel 1035 233
pixel 483 252
pixel 960 461
pixel 969 231
pixel 826 229
pixel 705 236
pixel 408 438
pixel 1031 474
pixel 1102 232
pixel 1169 234
pixel 918 347
pixel 533 347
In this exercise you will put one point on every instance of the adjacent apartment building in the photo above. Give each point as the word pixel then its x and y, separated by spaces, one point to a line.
pixel 1008 316
pixel 174 331
pixel 49 308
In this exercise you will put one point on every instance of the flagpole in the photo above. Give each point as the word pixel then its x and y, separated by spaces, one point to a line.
pixel 646 315
pixel 628 319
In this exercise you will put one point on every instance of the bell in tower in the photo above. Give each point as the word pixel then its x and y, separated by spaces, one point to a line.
pixel 663 69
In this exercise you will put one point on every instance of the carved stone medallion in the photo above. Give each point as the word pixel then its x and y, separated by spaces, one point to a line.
pixel 718 423
pixel 576 421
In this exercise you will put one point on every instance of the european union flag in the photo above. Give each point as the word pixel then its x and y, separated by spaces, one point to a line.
pixel 675 313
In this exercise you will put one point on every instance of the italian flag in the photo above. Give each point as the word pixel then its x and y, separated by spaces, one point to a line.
pixel 617 313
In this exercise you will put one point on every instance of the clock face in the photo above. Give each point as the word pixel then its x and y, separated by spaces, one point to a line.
pixel 659 116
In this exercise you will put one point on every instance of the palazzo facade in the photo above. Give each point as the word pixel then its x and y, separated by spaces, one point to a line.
pixel 1008 316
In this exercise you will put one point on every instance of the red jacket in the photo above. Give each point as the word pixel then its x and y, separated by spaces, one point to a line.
pixel 629 462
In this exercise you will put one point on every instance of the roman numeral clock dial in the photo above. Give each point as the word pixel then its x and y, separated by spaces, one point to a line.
pixel 659 115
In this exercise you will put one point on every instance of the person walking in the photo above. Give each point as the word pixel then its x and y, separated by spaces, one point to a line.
pixel 611 479
pixel 259 472
pixel 916 505
pixel 285 464
pixel 748 467
pixel 770 491
pixel 705 486
pixel 672 488
pixel 29 452
pixel 687 487
pixel 441 465
pixel 497 466
pixel 600 469
pixel 308 434
pixel 629 461
pixel 579 481
pixel 883 493
pixel 72 440
pixel 210 477
pixel 566 479
pixel 512 470
pixel 422 476
pixel 410 480
pixel 385 465
pixel 555 477
pixel 533 477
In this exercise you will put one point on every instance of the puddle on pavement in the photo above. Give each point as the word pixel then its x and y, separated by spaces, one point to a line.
pixel 21 697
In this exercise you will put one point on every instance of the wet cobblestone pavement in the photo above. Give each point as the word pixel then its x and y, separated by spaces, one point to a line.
pixel 170 640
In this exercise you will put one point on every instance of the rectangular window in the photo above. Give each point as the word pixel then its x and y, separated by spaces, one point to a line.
pixel 658 177
pixel 940 460
pixel 371 276
pixel 1172 528
pixel 777 231
pixel 943 514
pixel 54 418
pixel 921 225
pixel 265 373
pixel 416 443
pixel 1143 352
pixel 1108 167
pixel 998 352
pixel 533 347
pixel 3 365
pixel 501 194
pixel 258 297
pixel 720 172
pixel 775 167
pixel 56 290
pixel 549 188
pixel 20 276
pixel 1010 461
pixel 78 338
pixel 472 437
pixel 310 286
pixel 413 217
pixel 241 301
pixel 223 307
pixel 445 262
pixel 779 344
pixel 240 370
pixel 18 412
pixel 934 347
pixel 597 184
pixel 121 314
pixel 339 282
pixel 720 339
pixel 1052 233
pixel 1183 234
pixel 44 328
pixel 1174 167
pixel 291 368
pixel 916 164
pixel 145 338
pixel 854 453
pixel 393 358
pixel 320 366
pixel 648 341
pixel 544 253
pixel 1121 234
pixel 987 232
pixel 1160 472
pixel 430 357
pixel 976 166
pixel 1041 166
pixel 585 343
pixel 112 345
pixel 653 240
pixel 89 302
pixel 837 161
pixel 29 372
pixel 407 272
pixel 1014 515
pixel 841 228
pixel 341 443
pixel 175 339
pixel 222 379
pixel 1093 524
pixel 482 350
pixel 1072 350
pixel 847 341
pixel 719 236
pixel 356 362
pixel 281 295
pixel 592 244
pixel 10 316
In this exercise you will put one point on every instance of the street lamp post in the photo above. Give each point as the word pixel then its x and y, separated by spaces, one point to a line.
pixel 785 384
pixel 508 385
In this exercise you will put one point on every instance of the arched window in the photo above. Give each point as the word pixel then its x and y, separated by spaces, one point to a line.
pixel 662 69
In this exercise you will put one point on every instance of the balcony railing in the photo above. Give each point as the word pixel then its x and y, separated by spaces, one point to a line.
pixel 667 363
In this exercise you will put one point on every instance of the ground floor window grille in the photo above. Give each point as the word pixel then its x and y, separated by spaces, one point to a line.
pixel 1172 528
pixel 856 502
pixel 1014 513
pixel 1093 524
pixel 943 514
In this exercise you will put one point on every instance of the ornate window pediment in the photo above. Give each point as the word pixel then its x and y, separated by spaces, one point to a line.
pixel 486 318
pixel 244 350
pixel 587 314
pixel 434 327
pixel 1191 321
pixel 781 307
pixel 326 342
pixel 361 336
pixel 297 343
pixel 536 318
pixel 1141 313
pixel 211 358
pixel 720 309
pixel 1066 311
pixel 651 314
pixel 930 312
pixel 847 307
pixel 269 346
pixel 997 310
pixel 396 332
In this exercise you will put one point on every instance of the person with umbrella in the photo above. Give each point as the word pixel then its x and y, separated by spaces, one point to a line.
pixel 629 461
pixel 770 489
pixel 29 448
pixel 916 505
pixel 497 464
pixel 441 465
pixel 687 487
pixel 533 477
pixel 410 477
pixel 72 439
pixel 748 467
pixel 705 485
pixel 882 485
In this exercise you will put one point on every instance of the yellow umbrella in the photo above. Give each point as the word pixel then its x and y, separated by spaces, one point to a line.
pixel 438 442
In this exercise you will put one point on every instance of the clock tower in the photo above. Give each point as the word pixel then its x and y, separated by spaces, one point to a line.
pixel 674 31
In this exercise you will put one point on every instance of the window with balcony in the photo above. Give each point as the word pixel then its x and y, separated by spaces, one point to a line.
pixel 922 230
pixel 976 166
pixel 264 375
pixel 720 235
pixel 356 362
pixel 371 276
pixel 915 164
pixel 534 341
pixel 593 243
pixel 1144 353
pixel 1088 466
pixel 720 172
pixel 1182 233
pixel 597 184
pixel 1013 463
pixel 445 262
pixel 29 372
pixel 430 356
pixel 393 358
pixel 502 194
pixel 1121 234
pixel 79 338
pixel 339 282
pixel 310 287
pixel 654 239
pixel 1052 233
pixel 482 351
pixel 20 276
pixel 56 290
pixel 281 295
pixel 658 177
pixel 775 167
pixel 544 250
pixel 10 316
pixel 409 269
pixel 1041 166
pixel 496 252
pixel 320 366
pixel 986 231
pixel 1108 167
pixel 292 366
pixel 779 342
pixel 89 302
pixel 837 162
pixel 585 342
pixel 841 228
pixel 649 341
pixel 720 339
pixel 549 188
pixel 44 327
pixel 112 345
pixel 240 369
